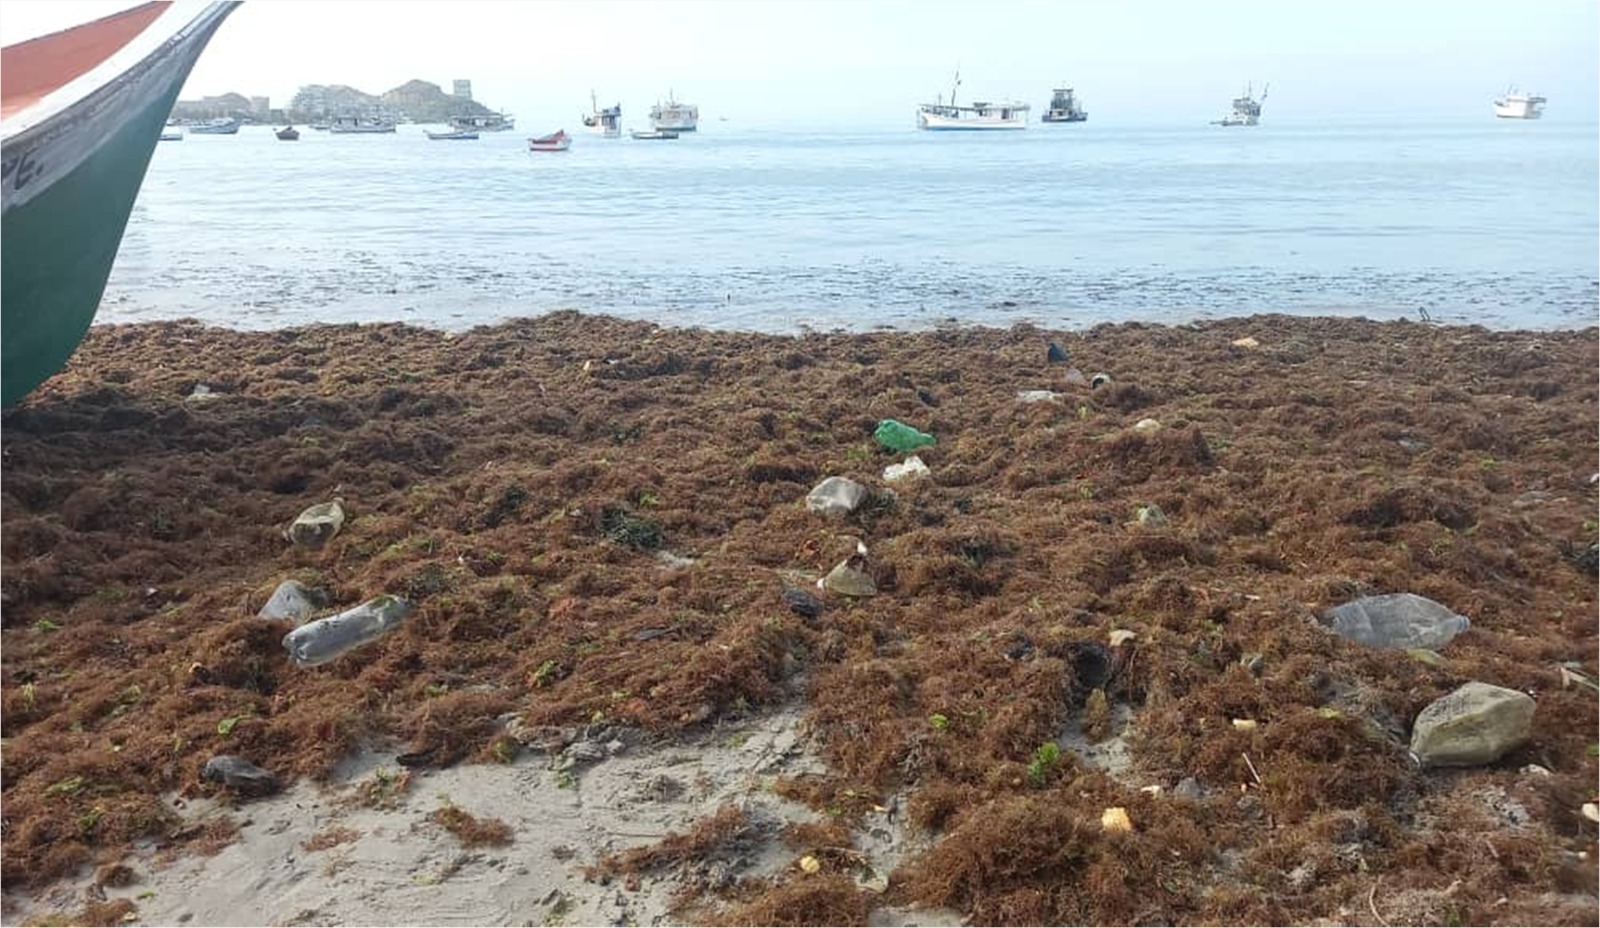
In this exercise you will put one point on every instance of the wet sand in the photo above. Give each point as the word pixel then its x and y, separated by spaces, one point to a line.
pixel 597 520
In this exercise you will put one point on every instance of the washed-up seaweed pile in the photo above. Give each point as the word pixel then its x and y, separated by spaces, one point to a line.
pixel 597 520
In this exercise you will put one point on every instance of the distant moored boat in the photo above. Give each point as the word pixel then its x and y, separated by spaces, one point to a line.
pixel 81 112
pixel 288 134
pixel 222 126
pixel 555 141
pixel 1516 105
pixel 1064 107
pixel 1246 109
pixel 940 115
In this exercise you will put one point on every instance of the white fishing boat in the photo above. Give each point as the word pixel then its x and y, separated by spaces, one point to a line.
pixel 980 115
pixel 453 135
pixel 81 113
pixel 605 122
pixel 222 126
pixel 1246 109
pixel 673 116
pixel 1517 105
pixel 171 136
pixel 361 125
pixel 488 122
pixel 653 135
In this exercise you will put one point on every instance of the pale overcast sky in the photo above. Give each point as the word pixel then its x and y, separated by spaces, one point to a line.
pixel 859 63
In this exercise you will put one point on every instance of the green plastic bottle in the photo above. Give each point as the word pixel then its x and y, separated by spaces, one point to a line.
pixel 901 437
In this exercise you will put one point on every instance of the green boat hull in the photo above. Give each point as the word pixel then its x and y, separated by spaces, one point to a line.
pixel 59 248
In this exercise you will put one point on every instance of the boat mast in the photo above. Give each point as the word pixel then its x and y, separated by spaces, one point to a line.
pixel 954 86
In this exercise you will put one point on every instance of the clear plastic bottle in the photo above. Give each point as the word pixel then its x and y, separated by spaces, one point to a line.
pixel 325 639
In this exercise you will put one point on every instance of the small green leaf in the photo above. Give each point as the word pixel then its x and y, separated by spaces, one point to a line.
pixel 45 625
pixel 226 726
pixel 69 785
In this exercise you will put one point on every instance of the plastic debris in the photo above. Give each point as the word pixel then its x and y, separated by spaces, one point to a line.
pixel 911 467
pixel 897 436
pixel 317 525
pixel 1397 620
pixel 325 639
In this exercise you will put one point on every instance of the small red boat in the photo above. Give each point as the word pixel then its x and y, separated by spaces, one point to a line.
pixel 557 141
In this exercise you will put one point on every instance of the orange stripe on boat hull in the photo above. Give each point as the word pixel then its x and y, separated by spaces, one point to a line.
pixel 30 70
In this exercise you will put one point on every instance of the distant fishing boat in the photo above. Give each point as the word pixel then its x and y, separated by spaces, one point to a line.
pixel 1246 109
pixel 607 122
pixel 555 141
pixel 454 135
pixel 673 116
pixel 288 134
pixel 653 135
pixel 361 125
pixel 81 112
pixel 1517 105
pixel 980 115
pixel 171 137
pixel 1064 107
pixel 491 122
pixel 223 126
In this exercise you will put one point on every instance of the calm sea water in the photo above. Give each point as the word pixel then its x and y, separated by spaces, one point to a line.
pixel 1490 222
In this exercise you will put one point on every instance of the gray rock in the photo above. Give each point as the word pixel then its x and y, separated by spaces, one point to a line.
pixel 850 579
pixel 240 774
pixel 293 600
pixel 1189 788
pixel 1476 724
pixel 1396 620
pixel 836 496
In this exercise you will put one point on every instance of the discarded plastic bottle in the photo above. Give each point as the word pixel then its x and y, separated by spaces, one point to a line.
pixel 901 437
pixel 325 639
pixel 317 525
pixel 1397 620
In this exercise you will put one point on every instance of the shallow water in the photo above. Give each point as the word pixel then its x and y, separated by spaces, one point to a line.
pixel 1065 226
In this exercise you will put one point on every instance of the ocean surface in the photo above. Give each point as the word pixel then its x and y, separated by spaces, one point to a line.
pixel 1489 222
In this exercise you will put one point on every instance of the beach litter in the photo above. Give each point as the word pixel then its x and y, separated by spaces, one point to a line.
pixel 1396 620
pixel 325 639
pixel 911 467
pixel 897 436
pixel 317 525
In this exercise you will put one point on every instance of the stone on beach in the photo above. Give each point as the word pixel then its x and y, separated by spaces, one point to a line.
pixel 239 774
pixel 836 496
pixel 1476 724
pixel 293 600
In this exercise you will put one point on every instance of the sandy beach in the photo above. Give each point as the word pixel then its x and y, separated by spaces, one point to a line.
pixel 624 696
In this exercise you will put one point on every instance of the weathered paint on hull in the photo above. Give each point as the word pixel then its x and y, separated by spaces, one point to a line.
pixel 59 248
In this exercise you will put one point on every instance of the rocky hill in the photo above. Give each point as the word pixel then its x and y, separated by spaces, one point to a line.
pixel 416 100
